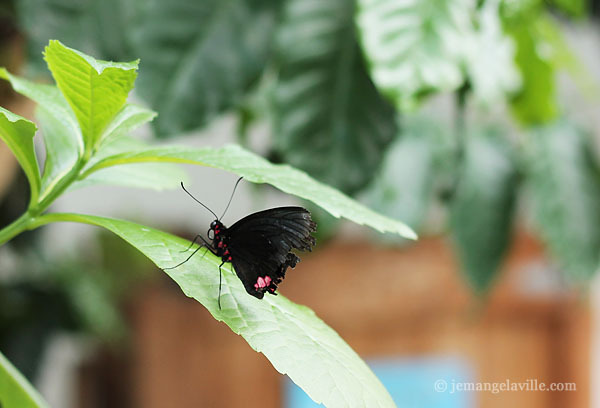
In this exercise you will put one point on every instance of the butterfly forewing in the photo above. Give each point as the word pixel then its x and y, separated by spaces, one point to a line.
pixel 260 246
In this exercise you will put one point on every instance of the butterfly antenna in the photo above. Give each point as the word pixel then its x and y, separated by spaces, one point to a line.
pixel 198 201
pixel 231 198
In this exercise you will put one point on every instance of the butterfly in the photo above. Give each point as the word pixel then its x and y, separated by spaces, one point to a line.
pixel 259 246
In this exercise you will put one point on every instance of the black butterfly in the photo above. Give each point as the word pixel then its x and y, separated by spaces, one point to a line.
pixel 259 246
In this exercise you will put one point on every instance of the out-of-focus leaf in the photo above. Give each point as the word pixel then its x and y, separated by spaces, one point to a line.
pixel 482 209
pixel 535 102
pixel 17 132
pixel 329 119
pixel 404 187
pixel 258 170
pixel 96 90
pixel 573 8
pixel 200 56
pixel 563 178
pixel 490 58
pixel 415 46
pixel 15 390
pixel 97 27
pixel 291 336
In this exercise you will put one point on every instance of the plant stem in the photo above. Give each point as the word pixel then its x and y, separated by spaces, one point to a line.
pixel 31 219
pixel 15 228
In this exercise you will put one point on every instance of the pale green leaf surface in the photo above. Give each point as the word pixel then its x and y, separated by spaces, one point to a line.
pixel 563 179
pixel 415 46
pixel 329 119
pixel 18 132
pixel 291 336
pixel 127 120
pixel 96 90
pixel 15 390
pixel 489 59
pixel 258 170
pixel 154 176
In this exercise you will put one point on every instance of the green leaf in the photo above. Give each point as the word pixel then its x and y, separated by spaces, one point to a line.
pixel 62 137
pixel 489 61
pixel 535 103
pixel 415 47
pixel 153 176
pixel 199 57
pixel 564 182
pixel 17 132
pixel 96 90
pixel 330 119
pixel 15 390
pixel 404 187
pixel 482 209
pixel 258 170
pixel 126 121
pixel 97 27
pixel 291 336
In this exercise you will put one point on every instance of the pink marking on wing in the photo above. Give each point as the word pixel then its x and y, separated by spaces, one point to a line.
pixel 267 280
pixel 256 285
pixel 261 282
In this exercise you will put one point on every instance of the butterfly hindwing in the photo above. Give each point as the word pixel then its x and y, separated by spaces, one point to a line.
pixel 261 246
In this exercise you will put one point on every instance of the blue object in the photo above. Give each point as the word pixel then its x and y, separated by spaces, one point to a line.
pixel 416 382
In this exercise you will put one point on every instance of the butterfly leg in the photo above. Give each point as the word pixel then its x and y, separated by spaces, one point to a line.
pixel 220 280
pixel 205 245
pixel 193 242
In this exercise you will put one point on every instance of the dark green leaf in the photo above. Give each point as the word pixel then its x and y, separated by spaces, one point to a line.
pixel 482 209
pixel 97 27
pixel 329 119
pixel 200 56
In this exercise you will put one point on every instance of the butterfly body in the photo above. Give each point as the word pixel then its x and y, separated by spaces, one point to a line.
pixel 260 245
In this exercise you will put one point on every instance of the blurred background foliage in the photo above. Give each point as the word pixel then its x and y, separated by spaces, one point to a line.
pixel 345 88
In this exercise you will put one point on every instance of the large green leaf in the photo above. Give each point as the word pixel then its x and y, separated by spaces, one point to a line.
pixel 15 390
pixel 329 119
pixel 258 170
pixel 291 336
pixel 563 178
pixel 482 209
pixel 96 90
pixel 17 132
pixel 415 46
pixel 200 56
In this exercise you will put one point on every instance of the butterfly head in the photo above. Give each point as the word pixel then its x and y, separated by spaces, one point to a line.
pixel 217 228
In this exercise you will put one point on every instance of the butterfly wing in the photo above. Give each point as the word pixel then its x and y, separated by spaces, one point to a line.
pixel 261 245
